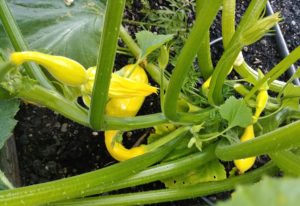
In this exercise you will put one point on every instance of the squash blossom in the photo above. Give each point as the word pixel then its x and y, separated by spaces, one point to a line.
pixel 65 70
pixel 120 86
pixel 127 92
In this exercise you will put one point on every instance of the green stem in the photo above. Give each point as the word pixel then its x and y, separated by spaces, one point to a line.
pixel 155 73
pixel 279 139
pixel 228 21
pixel 178 132
pixel 130 123
pixel 132 46
pixel 74 187
pixel 215 95
pixel 276 71
pixel 196 117
pixel 105 63
pixel 19 44
pixel 167 195
pixel 204 53
pixel 55 102
pixel 204 57
pixel 251 76
pixel 287 161
pixel 252 14
pixel 160 172
pixel 70 110
pixel 187 55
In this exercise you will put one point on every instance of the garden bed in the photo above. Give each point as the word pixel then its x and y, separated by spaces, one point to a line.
pixel 52 147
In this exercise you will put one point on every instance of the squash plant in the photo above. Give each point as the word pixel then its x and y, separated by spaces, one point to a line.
pixel 193 132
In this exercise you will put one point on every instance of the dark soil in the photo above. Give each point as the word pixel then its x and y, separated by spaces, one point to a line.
pixel 51 147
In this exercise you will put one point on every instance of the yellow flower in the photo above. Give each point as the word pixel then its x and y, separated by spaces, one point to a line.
pixel 132 83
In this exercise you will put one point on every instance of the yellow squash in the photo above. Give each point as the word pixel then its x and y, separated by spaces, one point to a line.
pixel 125 107
pixel 245 164
pixel 61 68
pixel 261 101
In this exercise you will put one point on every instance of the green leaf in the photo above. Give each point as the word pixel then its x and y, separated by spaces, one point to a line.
pixel 53 27
pixel 150 42
pixel 291 96
pixel 212 171
pixel 275 192
pixel 4 94
pixel 291 91
pixel 272 121
pixel 8 109
pixel 4 182
pixel 236 112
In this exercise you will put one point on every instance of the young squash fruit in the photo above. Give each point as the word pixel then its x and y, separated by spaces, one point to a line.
pixel 61 68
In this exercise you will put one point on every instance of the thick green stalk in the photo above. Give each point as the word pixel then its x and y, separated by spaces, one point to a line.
pixel 167 195
pixel 54 101
pixel 19 44
pixel 204 57
pixel 74 187
pixel 69 109
pixel 204 53
pixel 276 71
pixel 282 138
pixel 287 161
pixel 228 30
pixel 151 120
pixel 155 73
pixel 132 46
pixel 196 117
pixel 105 63
pixel 187 55
pixel 167 138
pixel 130 123
pixel 251 76
pixel 159 172
pixel 228 21
pixel 215 95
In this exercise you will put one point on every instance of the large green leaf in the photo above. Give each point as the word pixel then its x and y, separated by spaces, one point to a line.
pixel 4 182
pixel 53 27
pixel 8 109
pixel 275 192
